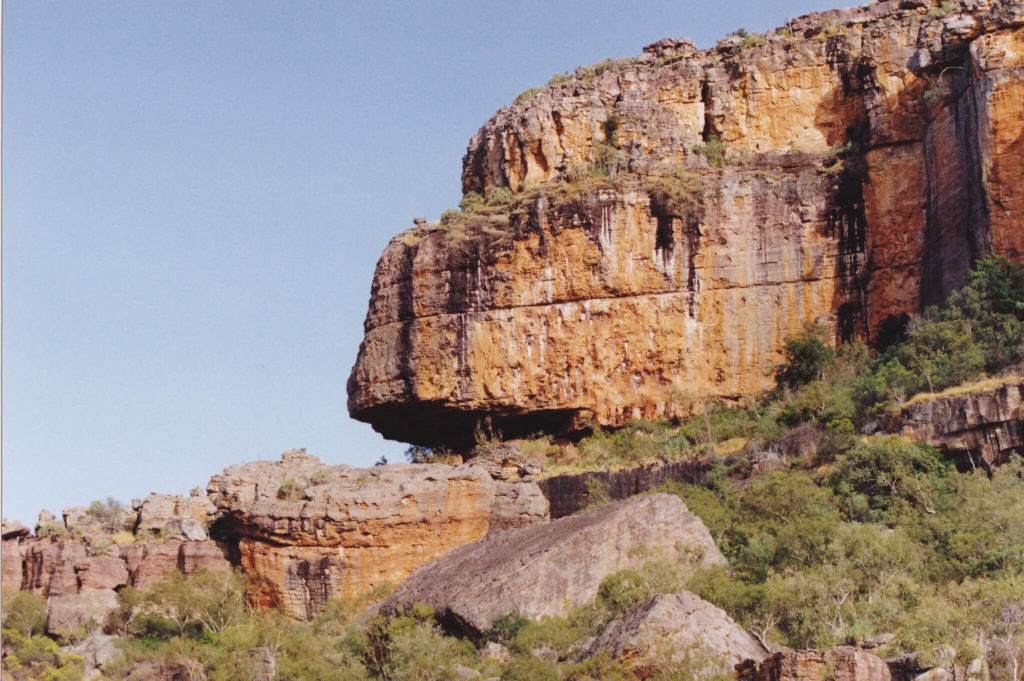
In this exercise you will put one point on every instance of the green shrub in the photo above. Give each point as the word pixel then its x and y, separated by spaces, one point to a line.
pixel 450 217
pixel 52 530
pixel 714 150
pixel 471 202
pixel 752 40
pixel 530 668
pixel 610 126
pixel 506 627
pixel 527 96
pixel 291 490
pixel 620 591
pixel 24 612
pixel 499 196
pixel 38 657
pixel 100 547
pixel 107 513
pixel 807 357
pixel 320 477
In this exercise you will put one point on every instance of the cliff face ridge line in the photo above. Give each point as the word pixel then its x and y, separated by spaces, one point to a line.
pixel 867 157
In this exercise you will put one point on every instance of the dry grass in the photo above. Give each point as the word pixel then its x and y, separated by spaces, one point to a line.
pixel 731 446
pixel 981 385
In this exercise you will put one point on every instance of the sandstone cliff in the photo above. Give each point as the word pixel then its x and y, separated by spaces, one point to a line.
pixel 308 532
pixel 303 532
pixel 844 168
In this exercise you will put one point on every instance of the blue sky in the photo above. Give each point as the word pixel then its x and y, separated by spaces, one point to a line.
pixel 195 195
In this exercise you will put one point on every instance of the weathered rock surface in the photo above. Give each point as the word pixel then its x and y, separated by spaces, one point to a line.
pixel 101 573
pixel 837 664
pixel 310 532
pixel 573 492
pixel 152 563
pixel 160 510
pixel 668 627
pixel 96 650
pixel 547 568
pixel 50 567
pixel 978 429
pixel 11 564
pixel 71 611
pixel 12 529
pixel 615 303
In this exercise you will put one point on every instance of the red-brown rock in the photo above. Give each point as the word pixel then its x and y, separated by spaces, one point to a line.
pixel 156 562
pixel 11 560
pixel 101 573
pixel 837 664
pixel 50 566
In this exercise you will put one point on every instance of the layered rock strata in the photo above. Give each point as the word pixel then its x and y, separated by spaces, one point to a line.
pixel 308 532
pixel 548 568
pixel 978 429
pixel 869 156
pixel 837 664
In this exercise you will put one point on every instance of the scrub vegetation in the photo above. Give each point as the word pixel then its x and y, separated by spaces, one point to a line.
pixel 848 538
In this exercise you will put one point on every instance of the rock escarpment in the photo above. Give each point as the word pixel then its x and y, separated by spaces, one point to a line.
pixel 979 428
pixel 837 664
pixel 845 168
pixel 308 532
pixel 548 568
pixel 303 532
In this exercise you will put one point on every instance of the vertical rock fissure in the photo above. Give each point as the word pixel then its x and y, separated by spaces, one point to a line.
pixel 956 216
pixel 709 120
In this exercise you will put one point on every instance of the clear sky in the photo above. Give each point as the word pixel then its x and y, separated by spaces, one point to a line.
pixel 195 195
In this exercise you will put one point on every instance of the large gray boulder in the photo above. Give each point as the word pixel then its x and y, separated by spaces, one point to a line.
pixel 548 568
pixel 669 628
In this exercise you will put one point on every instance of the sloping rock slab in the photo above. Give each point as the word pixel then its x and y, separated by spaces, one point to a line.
pixel 668 627
pixel 838 664
pixel 546 569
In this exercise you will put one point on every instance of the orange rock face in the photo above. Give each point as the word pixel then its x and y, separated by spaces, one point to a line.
pixel 869 156
pixel 311 532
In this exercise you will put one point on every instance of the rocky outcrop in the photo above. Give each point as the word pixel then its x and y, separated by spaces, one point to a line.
pixel 671 628
pixel 172 512
pixel 547 568
pixel 869 156
pixel 156 562
pixel 11 564
pixel 308 532
pixel 573 492
pixel 837 664
pixel 979 428
pixel 49 567
pixel 73 612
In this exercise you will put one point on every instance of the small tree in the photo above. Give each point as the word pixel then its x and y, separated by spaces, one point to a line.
pixel 808 357
pixel 24 612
